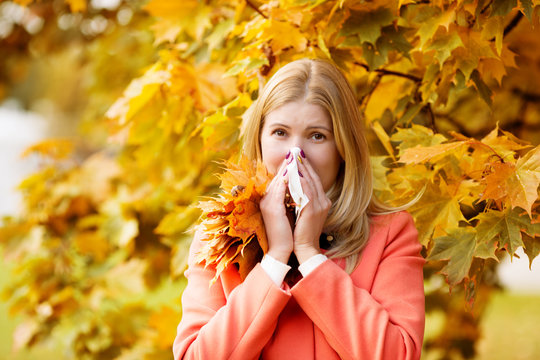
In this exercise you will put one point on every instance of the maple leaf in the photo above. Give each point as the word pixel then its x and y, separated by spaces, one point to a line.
pixel 52 148
pixel 444 42
pixel 438 209
pixel 431 19
pixel 137 94
pixel 532 247
pixel 516 183
pixel 504 145
pixel 283 35
pixel 366 25
pixel 501 229
pixel 416 135
pixel 420 154
pixel 458 248
pixel 233 220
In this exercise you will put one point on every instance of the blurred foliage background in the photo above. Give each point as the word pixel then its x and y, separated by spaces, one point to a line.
pixel 142 97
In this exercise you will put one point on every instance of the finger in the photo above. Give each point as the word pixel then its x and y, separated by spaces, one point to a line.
pixel 312 176
pixel 277 177
pixel 308 183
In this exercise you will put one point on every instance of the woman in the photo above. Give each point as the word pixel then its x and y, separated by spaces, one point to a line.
pixel 362 297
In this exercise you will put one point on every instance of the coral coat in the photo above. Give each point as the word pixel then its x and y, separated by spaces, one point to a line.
pixel 377 312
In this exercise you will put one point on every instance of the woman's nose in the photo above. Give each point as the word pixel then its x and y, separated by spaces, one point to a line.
pixel 288 153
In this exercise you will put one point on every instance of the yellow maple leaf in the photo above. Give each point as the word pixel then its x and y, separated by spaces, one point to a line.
pixel 420 154
pixel 52 148
pixel 283 35
pixel 437 210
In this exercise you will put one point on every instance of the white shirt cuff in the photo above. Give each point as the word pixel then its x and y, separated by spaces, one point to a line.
pixel 275 269
pixel 311 264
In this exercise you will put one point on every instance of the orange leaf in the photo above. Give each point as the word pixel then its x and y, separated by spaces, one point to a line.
pixel 496 181
pixel 246 220
pixel 233 219
pixel 515 183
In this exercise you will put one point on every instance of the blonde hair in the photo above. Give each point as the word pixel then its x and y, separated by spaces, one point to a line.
pixel 353 204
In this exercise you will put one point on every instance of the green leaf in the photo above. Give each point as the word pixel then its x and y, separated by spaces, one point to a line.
pixel 430 19
pixel 367 24
pixel 244 65
pixel 380 182
pixel 444 44
pixel 219 131
pixel 502 229
pixel 532 247
pixel 373 56
pixel 416 135
pixel 220 33
pixel 429 81
pixel 458 248
pixel 502 7
pixel 410 114
pixel 392 38
pixel 484 91
pixel 527 6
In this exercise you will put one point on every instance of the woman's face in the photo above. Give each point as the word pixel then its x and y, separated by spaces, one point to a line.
pixel 308 127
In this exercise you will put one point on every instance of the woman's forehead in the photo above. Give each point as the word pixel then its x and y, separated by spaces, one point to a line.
pixel 299 111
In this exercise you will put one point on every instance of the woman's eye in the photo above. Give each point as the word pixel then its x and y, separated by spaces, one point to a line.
pixel 278 132
pixel 318 136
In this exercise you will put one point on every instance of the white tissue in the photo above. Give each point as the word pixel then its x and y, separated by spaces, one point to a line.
pixel 295 187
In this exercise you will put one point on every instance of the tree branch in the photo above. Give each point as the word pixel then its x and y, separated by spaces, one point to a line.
pixel 251 5
pixel 390 72
pixel 513 23
pixel 530 97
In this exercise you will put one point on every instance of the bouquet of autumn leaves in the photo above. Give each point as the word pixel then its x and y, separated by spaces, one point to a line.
pixel 231 223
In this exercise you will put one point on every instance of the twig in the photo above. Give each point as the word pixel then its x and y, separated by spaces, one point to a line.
pixel 390 72
pixel 512 23
pixel 251 5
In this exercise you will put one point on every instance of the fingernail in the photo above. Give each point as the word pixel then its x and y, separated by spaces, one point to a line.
pixel 288 154
pixel 300 159
pixel 299 173
pixel 285 173
pixel 289 160
pixel 302 153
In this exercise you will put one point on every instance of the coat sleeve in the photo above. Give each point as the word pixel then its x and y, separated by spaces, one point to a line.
pixel 236 327
pixel 386 323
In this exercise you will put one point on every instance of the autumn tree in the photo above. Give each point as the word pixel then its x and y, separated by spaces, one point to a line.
pixel 448 90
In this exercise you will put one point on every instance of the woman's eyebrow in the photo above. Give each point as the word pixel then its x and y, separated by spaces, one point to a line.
pixel 319 127
pixel 279 125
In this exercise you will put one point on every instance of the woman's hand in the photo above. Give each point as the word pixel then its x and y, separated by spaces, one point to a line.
pixel 276 223
pixel 310 223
